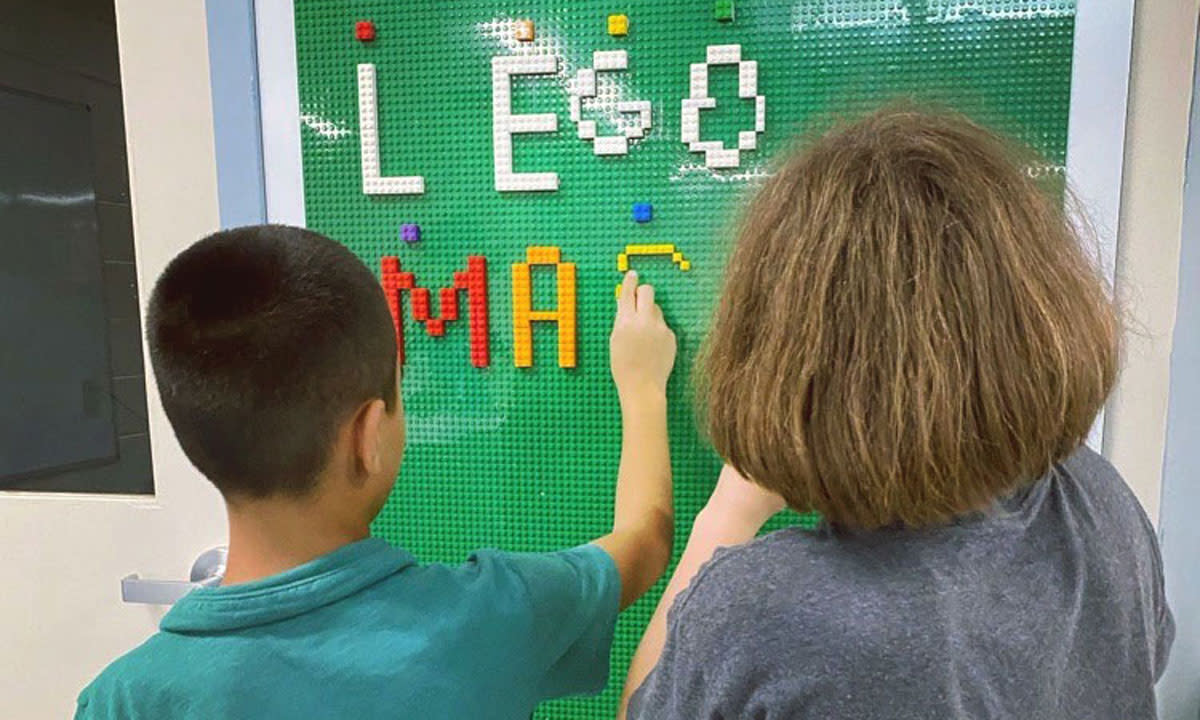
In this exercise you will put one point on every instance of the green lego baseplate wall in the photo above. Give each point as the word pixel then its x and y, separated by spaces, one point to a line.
pixel 525 458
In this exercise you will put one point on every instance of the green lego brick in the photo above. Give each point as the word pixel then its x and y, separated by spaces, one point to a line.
pixel 723 10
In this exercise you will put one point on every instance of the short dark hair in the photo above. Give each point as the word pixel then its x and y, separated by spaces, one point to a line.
pixel 263 340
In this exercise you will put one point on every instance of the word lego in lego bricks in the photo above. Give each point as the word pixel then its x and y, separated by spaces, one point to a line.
pixel 500 165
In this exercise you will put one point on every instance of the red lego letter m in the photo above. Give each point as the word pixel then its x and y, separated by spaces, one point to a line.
pixel 473 280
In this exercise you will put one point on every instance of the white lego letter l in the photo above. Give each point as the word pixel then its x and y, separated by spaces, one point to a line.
pixel 368 137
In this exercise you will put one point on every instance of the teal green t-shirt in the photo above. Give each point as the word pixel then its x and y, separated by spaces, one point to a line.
pixel 367 632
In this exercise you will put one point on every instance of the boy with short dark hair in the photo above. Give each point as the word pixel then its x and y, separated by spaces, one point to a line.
pixel 275 358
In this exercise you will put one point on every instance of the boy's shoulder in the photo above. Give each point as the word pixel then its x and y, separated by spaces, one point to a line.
pixel 136 684
pixel 538 624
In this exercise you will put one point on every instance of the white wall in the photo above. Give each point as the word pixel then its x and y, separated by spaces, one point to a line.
pixel 1164 41
pixel 61 617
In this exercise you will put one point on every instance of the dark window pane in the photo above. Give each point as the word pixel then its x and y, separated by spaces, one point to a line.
pixel 56 394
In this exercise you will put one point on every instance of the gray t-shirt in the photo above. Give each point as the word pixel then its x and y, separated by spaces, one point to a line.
pixel 1049 606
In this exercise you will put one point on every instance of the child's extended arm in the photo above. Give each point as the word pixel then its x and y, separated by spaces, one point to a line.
pixel 642 354
pixel 735 513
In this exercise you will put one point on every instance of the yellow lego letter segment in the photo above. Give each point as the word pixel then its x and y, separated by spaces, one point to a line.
pixel 663 249
pixel 524 315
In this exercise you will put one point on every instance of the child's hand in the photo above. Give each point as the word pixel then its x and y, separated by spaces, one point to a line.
pixel 740 501
pixel 642 347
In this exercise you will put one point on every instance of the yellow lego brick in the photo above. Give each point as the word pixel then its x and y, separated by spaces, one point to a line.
pixel 677 257
pixel 543 255
pixel 566 279
pixel 566 345
pixel 522 288
pixel 618 25
pixel 649 249
pixel 623 262
pixel 685 265
pixel 544 316
pixel 523 353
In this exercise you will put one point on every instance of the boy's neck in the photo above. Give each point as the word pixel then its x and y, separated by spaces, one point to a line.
pixel 267 537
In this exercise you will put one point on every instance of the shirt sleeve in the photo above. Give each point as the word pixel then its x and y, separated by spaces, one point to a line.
pixel 664 692
pixel 571 603
pixel 1164 621
pixel 95 703
pixel 691 678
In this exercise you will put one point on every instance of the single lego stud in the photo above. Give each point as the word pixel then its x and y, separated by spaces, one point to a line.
pixel 364 30
pixel 523 30
pixel 723 10
pixel 642 212
pixel 618 25
pixel 410 233
pixel 524 315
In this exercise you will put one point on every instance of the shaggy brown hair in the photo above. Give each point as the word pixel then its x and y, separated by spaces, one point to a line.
pixel 909 327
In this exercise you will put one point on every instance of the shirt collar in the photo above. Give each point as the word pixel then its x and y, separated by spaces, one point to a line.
pixel 317 583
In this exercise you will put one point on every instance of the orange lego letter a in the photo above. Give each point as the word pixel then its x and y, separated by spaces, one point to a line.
pixel 524 315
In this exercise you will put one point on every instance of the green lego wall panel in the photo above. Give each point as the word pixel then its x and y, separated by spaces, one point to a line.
pixel 498 163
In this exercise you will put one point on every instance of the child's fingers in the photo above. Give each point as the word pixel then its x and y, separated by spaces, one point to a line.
pixel 645 298
pixel 627 303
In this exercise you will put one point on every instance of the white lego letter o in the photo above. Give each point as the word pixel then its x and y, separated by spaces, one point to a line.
pixel 716 155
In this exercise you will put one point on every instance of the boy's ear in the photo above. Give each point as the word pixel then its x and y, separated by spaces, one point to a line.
pixel 368 437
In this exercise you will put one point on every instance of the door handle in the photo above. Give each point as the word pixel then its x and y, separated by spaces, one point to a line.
pixel 207 571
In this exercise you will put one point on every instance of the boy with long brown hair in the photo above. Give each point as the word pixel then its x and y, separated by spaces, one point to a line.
pixel 912 342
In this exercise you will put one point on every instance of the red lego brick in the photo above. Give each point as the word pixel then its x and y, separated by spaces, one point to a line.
pixel 364 30
pixel 419 300
pixel 448 301
pixel 477 299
